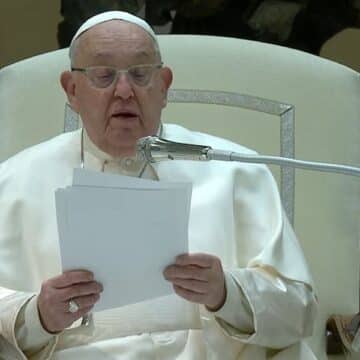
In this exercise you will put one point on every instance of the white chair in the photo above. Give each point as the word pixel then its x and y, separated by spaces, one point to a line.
pixel 275 100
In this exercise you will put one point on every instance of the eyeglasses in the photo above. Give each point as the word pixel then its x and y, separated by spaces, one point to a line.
pixel 105 76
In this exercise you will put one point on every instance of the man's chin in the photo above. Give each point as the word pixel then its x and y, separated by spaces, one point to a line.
pixel 123 147
pixel 123 142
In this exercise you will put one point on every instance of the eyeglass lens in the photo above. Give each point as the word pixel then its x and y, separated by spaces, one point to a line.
pixel 102 76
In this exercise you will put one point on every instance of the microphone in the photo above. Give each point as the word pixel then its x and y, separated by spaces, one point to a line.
pixel 154 149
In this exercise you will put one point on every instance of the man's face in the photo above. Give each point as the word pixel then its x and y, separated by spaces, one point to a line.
pixel 115 117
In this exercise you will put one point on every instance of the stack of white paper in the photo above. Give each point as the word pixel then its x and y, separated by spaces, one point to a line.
pixel 125 230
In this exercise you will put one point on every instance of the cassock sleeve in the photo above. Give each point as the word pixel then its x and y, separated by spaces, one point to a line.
pixel 11 303
pixel 31 337
pixel 282 310
pixel 236 310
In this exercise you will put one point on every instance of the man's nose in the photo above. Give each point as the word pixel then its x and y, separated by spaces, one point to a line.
pixel 123 86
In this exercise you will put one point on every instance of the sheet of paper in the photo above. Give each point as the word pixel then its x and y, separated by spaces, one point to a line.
pixel 84 177
pixel 125 235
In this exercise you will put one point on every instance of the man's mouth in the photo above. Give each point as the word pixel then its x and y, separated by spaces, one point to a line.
pixel 124 118
pixel 125 115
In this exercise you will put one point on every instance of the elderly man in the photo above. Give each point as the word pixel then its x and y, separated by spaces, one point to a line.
pixel 243 293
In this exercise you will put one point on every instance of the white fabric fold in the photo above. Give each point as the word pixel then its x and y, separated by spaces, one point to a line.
pixel 235 214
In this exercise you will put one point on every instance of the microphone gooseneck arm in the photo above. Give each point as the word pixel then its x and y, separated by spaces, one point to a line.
pixel 282 161
pixel 155 149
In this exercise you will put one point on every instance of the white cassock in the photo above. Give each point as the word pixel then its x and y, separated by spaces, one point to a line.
pixel 236 215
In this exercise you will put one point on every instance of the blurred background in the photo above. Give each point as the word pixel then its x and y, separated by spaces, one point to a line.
pixel 327 28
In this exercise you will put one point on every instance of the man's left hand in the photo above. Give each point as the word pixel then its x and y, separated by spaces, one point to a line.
pixel 198 278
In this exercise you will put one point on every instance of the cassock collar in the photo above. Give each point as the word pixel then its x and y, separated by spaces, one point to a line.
pixel 131 165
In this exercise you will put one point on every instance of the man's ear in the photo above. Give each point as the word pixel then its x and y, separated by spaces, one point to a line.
pixel 68 84
pixel 167 78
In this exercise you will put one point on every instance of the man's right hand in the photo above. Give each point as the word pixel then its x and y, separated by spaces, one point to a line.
pixel 56 293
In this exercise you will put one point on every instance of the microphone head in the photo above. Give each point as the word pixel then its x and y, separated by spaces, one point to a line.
pixel 145 146
pixel 144 142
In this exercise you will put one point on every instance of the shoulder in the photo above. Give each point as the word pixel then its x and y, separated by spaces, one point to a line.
pixel 35 160
pixel 246 171
pixel 181 134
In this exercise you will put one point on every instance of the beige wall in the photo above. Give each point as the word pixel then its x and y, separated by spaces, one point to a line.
pixel 27 27
pixel 344 48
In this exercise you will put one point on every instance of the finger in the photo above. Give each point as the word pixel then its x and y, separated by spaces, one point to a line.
pixel 189 295
pixel 195 286
pixel 71 277
pixel 85 310
pixel 86 301
pixel 199 259
pixel 186 272
pixel 78 290
pixel 71 317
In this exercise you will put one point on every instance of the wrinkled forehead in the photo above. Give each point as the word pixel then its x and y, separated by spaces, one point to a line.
pixel 115 38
